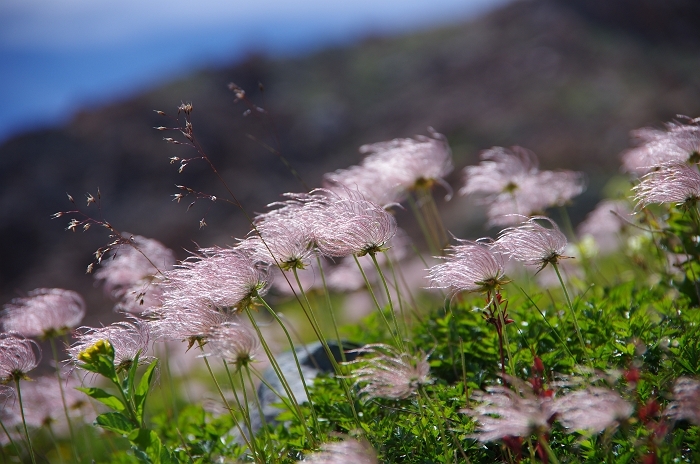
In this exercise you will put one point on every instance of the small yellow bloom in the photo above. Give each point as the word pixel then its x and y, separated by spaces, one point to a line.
pixel 91 353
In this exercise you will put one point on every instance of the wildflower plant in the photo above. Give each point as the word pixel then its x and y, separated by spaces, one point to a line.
pixel 128 406
pixel 429 381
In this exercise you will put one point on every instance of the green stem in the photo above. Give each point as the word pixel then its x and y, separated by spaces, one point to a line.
pixel 257 400
pixel 435 213
pixel 9 437
pixel 398 291
pixel 449 457
pixel 388 297
pixel 571 307
pixel 171 383
pixel 376 302
pixel 278 370
pixel 63 399
pixel 554 331
pixel 330 307
pixel 55 444
pixel 244 410
pixel 548 449
pixel 504 331
pixel 226 404
pixel 336 368
pixel 127 402
pixel 308 312
pixel 263 422
pixel 24 422
pixel 434 249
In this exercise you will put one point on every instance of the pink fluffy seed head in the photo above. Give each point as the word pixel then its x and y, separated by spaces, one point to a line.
pixel 389 373
pixel 45 312
pixel 18 356
pixel 468 267
pixel 532 243
pixel 674 183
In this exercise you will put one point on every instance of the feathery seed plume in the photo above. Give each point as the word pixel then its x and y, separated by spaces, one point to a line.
pixel 394 167
pixel 128 338
pixel 18 355
pixel 468 267
pixel 673 183
pixel 348 451
pixel 234 342
pixel 678 144
pixel 502 412
pixel 218 279
pixel 389 373
pixel 282 237
pixel 532 243
pixel 686 400
pixel 350 225
pixel 593 409
pixel 513 184
pixel 131 274
pixel 45 312
pixel 190 324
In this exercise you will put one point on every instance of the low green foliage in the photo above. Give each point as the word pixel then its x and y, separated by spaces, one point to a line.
pixel 644 336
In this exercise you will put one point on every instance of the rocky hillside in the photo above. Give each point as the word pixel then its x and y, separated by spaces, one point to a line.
pixel 566 81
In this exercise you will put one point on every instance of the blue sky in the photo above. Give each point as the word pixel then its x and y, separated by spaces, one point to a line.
pixel 61 55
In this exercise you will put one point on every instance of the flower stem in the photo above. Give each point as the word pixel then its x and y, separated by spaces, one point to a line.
pixel 330 308
pixel 263 422
pixel 504 331
pixel 435 213
pixel 55 444
pixel 244 409
pixel 319 333
pixel 127 401
pixel 9 437
pixel 63 399
pixel 548 449
pixel 388 297
pixel 544 317
pixel 228 407
pixel 432 245
pixel 24 421
pixel 571 307
pixel 278 370
pixel 308 312
pixel 376 302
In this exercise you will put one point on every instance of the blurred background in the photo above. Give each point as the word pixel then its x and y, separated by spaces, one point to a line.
pixel 79 82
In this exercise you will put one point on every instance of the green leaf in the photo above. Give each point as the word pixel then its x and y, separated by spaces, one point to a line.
pixel 131 377
pixel 141 391
pixel 147 441
pixel 104 397
pixel 116 422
